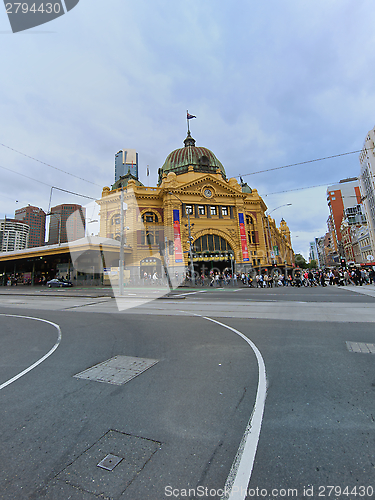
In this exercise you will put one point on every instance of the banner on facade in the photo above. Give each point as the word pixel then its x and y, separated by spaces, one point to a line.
pixel 245 251
pixel 177 236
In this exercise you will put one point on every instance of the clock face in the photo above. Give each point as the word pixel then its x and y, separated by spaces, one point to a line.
pixel 208 193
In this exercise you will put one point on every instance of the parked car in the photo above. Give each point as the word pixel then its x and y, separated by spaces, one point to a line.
pixel 59 282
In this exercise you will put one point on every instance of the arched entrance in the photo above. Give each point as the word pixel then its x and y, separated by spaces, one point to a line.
pixel 150 265
pixel 212 252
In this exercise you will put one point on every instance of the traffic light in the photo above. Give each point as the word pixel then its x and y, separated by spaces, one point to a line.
pixel 171 247
pixel 343 263
pixel 161 247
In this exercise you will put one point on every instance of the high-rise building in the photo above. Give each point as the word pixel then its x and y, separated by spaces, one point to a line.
pixel 36 218
pixel 367 180
pixel 343 199
pixel 14 235
pixel 67 223
pixel 126 161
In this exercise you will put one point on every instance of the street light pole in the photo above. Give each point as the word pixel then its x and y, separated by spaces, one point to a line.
pixel 122 243
pixel 269 230
pixel 59 223
pixel 190 245
pixel 190 252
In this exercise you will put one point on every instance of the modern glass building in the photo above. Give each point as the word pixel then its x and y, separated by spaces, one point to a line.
pixel 126 161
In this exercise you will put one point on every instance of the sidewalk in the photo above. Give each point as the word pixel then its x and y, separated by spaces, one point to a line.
pixel 91 292
pixel 103 291
pixel 88 292
pixel 364 289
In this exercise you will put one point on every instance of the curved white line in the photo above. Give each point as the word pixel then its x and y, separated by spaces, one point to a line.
pixel 242 467
pixel 41 359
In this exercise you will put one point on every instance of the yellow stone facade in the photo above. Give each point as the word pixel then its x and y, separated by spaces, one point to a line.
pixel 193 181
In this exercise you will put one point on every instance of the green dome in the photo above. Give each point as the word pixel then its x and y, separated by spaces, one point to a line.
pixel 123 181
pixel 202 159
pixel 246 188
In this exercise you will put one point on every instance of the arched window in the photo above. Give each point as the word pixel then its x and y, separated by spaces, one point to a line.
pixel 211 243
pixel 204 161
pixel 116 219
pixel 150 217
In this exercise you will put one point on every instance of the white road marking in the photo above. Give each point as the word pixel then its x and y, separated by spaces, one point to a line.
pixel 242 467
pixel 190 293
pixel 34 365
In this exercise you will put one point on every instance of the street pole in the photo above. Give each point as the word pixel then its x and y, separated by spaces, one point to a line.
pixel 269 230
pixel 270 239
pixel 190 245
pixel 190 252
pixel 317 253
pixel 231 262
pixel 121 263
pixel 60 230
pixel 59 224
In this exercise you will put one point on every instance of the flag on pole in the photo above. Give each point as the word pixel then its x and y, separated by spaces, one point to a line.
pixel 189 117
pixel 148 171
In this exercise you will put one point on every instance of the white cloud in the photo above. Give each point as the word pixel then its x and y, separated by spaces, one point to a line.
pixel 271 84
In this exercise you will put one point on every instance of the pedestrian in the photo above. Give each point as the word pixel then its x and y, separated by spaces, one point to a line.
pixel 331 276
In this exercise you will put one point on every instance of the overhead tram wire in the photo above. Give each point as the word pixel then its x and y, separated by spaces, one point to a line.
pixel 306 162
pixel 48 185
pixel 48 165
pixel 300 189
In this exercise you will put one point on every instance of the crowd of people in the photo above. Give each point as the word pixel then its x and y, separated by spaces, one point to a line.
pixel 297 277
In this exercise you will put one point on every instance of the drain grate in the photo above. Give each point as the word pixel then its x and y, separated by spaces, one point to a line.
pixel 360 347
pixel 117 370
pixel 109 462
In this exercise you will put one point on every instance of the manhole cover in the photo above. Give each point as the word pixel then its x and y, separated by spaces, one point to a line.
pixel 117 370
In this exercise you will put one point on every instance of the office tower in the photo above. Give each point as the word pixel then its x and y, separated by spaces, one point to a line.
pixel 126 161
pixel 67 223
pixel 36 218
pixel 367 179
pixel 343 199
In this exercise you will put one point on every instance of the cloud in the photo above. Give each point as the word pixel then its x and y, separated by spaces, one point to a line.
pixel 271 84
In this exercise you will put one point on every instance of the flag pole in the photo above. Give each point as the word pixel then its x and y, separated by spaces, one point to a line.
pixel 187 119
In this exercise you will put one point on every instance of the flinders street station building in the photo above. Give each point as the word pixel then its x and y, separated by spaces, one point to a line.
pixel 194 218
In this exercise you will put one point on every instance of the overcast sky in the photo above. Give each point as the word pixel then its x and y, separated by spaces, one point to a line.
pixel 271 83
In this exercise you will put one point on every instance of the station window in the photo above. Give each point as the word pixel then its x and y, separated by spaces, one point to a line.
pixel 213 210
pixel 149 217
pixel 224 210
pixel 189 209
pixel 201 210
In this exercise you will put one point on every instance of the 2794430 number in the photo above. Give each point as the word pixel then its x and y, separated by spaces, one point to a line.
pixel 337 491
pixel 23 8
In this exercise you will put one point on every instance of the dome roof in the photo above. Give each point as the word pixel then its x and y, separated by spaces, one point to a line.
pixel 202 159
pixel 123 181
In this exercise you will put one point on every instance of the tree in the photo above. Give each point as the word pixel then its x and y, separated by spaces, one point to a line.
pixel 300 261
pixel 313 264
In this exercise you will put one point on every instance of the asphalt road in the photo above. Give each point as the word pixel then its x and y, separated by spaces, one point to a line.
pixel 179 424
